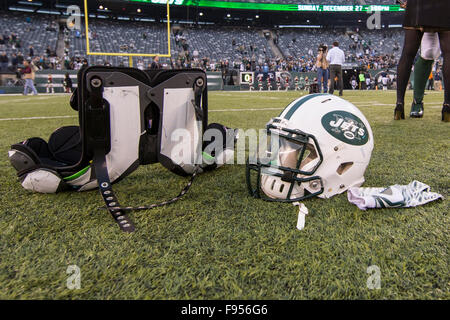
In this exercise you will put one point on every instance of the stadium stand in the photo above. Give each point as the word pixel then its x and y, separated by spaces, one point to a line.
pixel 20 31
pixel 234 44
pixel 359 46
pixel 118 37
pixel 195 46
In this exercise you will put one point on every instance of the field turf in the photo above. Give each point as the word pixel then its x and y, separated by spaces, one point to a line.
pixel 219 243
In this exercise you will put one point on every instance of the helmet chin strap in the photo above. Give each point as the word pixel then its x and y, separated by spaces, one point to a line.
pixel 302 212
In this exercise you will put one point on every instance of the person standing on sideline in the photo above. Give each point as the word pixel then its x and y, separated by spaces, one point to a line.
pixel 353 82
pixel 437 81
pixel 384 80
pixel 67 83
pixel 336 59
pixel 368 80
pixel 297 84
pixel 28 75
pixel 49 86
pixel 422 16
pixel 322 69
pixel 430 82
pixel 155 63
pixel 362 81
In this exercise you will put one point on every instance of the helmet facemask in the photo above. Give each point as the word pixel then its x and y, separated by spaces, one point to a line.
pixel 285 166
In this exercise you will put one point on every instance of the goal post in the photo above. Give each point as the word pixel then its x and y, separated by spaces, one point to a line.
pixel 128 54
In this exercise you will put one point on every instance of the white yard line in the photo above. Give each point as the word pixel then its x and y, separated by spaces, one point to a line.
pixel 65 117
pixel 30 95
pixel 248 109
pixel 213 110
pixel 36 118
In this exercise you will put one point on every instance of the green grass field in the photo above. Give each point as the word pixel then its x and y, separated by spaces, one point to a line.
pixel 218 243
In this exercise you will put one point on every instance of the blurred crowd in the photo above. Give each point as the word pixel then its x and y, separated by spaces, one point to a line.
pixel 361 53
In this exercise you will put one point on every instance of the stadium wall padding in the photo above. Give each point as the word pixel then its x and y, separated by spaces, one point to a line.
pixel 215 81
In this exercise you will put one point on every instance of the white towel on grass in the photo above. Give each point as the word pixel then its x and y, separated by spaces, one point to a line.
pixel 414 194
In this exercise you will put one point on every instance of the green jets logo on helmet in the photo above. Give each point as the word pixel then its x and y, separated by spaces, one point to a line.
pixel 346 127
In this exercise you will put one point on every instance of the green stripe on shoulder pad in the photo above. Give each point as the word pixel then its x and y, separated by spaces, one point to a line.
pixel 78 174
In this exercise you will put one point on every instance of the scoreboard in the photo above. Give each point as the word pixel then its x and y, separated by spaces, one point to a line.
pixel 247 78
pixel 278 6
pixel 351 8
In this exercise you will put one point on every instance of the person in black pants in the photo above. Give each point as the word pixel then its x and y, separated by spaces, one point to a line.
pixel 423 16
pixel 155 63
pixel 430 85
pixel 336 59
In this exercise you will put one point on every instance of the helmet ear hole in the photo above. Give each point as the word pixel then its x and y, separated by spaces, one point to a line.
pixel 344 167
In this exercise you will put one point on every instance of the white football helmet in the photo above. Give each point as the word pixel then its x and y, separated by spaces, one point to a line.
pixel 320 145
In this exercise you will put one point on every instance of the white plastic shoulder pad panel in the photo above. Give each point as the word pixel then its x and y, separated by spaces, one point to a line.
pixel 42 181
pixel 181 134
pixel 125 121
